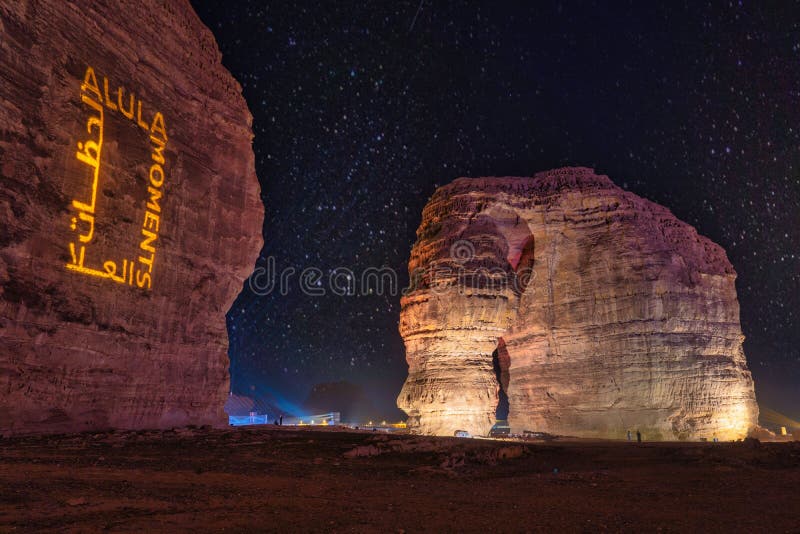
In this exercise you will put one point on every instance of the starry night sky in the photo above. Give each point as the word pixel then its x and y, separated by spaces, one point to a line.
pixel 361 111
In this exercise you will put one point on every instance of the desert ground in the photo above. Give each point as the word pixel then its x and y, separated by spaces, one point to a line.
pixel 293 479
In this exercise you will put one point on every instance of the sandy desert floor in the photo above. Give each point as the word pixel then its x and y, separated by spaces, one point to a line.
pixel 291 479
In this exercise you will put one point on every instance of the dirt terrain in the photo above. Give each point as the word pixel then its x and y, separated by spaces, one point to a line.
pixel 311 479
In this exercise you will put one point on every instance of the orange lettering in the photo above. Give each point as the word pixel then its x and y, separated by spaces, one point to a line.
pixel 129 112
pixel 109 103
pixel 152 204
pixel 158 149
pixel 156 169
pixel 149 237
pixel 139 120
pixel 143 279
pixel 90 83
pixel 158 125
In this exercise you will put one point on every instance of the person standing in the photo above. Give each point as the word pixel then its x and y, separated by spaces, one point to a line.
pixel 629 435
pixel 638 437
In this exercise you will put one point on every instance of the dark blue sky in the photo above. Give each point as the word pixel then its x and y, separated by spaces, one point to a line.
pixel 360 111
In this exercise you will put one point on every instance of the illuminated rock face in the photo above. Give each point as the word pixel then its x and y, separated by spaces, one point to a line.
pixel 610 314
pixel 130 216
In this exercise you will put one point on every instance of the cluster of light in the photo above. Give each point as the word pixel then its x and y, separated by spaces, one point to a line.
pixel 399 424
pixel 313 422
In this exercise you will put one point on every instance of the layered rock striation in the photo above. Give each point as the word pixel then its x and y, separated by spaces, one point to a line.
pixel 604 314
pixel 130 215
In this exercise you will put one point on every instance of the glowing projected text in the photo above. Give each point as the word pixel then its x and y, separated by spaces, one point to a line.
pixel 137 268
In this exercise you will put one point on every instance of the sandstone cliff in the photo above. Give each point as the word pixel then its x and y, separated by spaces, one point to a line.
pixel 606 313
pixel 130 215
